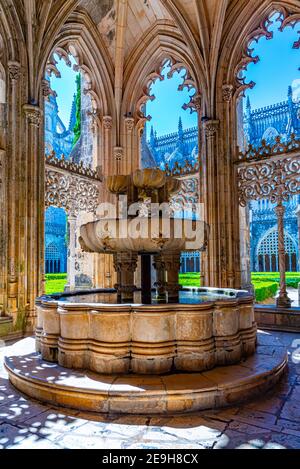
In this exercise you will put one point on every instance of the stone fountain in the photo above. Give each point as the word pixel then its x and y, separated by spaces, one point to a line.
pixel 152 233
pixel 146 334
pixel 137 351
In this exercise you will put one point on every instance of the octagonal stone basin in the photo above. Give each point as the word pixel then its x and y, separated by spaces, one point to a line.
pixel 92 332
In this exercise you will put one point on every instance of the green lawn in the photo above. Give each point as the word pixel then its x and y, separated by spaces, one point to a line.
pixel 55 283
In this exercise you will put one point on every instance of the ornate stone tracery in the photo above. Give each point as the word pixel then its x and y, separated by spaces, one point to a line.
pixel 63 52
pixel 265 150
pixel 67 165
pixel 286 18
pixel 71 192
pixel 275 179
pixel 267 175
pixel 188 82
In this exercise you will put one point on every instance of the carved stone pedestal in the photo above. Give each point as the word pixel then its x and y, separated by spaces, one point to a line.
pixel 125 264
pixel 167 267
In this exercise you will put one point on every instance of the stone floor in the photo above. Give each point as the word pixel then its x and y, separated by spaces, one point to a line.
pixel 273 421
pixel 294 296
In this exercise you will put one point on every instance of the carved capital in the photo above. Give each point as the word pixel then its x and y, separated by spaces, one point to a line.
pixel 211 128
pixel 14 70
pixel 107 122
pixel 129 123
pixel 118 153
pixel 33 114
pixel 227 92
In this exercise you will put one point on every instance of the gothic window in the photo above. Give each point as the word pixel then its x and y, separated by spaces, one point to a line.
pixel 267 255
pixel 272 95
pixel 172 135
pixel 52 258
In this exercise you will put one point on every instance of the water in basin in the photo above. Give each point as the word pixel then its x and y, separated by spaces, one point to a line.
pixel 187 296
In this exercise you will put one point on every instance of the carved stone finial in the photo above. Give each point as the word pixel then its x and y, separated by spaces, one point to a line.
pixel 46 89
pixel 14 69
pixel 197 101
pixel 211 127
pixel 129 122
pixel 33 114
pixel 227 92
pixel 107 122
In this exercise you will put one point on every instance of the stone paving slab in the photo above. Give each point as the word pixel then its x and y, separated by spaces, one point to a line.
pixel 271 421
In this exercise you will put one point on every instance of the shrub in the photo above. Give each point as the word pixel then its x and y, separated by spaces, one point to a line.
pixel 265 290
pixel 56 276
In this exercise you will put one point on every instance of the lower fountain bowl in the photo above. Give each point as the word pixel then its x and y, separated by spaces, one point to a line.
pixel 110 338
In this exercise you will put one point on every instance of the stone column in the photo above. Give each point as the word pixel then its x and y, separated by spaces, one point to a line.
pixel 160 283
pixel 118 160
pixel 209 166
pixel 71 253
pixel 14 76
pixel 245 250
pixel 3 234
pixel 298 217
pixel 125 264
pixel 130 157
pixel 35 208
pixel 105 270
pixel 283 301
pixel 198 107
pixel 107 145
pixel 229 182
pixel 167 266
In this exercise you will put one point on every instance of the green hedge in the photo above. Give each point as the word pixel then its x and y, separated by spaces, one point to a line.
pixel 292 278
pixel 265 290
pixel 190 280
pixel 56 277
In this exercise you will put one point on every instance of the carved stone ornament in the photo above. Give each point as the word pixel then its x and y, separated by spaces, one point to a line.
pixel 276 180
pixel 182 170
pixel 211 128
pixel 265 151
pixel 72 167
pixel 14 69
pixel 129 123
pixel 46 89
pixel 71 192
pixel 227 92
pixel 107 122
pixel 118 153
pixel 33 114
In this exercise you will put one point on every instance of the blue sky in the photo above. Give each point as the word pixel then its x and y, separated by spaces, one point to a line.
pixel 166 109
pixel 277 69
pixel 65 88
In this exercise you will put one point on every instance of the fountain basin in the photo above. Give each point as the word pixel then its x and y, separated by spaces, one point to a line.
pixel 110 338
pixel 143 235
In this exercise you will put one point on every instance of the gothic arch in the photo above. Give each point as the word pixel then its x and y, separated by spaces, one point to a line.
pixel 272 235
pixel 80 37
pixel 159 45
pixel 252 26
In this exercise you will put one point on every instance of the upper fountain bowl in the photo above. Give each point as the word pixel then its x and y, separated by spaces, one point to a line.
pixel 149 178
pixel 118 184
